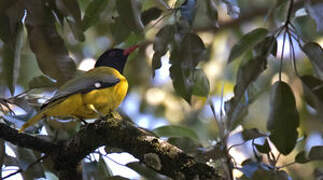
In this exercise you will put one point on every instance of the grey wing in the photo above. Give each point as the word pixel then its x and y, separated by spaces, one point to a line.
pixel 83 84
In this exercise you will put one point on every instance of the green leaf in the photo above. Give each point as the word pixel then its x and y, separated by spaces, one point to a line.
pixel 201 85
pixel 266 46
pixel 192 50
pixel 26 157
pixel 315 11
pixel 129 12
pixel 188 145
pixel 71 10
pixel 45 42
pixel 150 14
pixel 248 41
pixel 316 153
pixel 156 62
pixel 283 118
pixel 315 53
pixel 188 10
pixel 92 13
pixel 175 131
pixel 265 148
pixel 12 61
pixel 182 81
pixel 41 82
pixel 301 157
pixel 12 34
pixel 96 169
pixel 212 11
pixel 253 133
pixel 247 73
pixel 120 31
pixel 163 38
pixel 185 55
pixel 313 91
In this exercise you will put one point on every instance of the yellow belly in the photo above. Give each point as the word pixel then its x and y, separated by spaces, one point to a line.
pixel 104 100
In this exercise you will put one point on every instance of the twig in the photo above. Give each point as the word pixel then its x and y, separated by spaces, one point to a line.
pixel 281 58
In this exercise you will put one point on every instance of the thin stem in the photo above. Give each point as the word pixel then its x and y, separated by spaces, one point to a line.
pixel 290 9
pixel 281 58
pixel 292 52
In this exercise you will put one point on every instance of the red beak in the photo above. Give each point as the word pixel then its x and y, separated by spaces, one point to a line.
pixel 130 50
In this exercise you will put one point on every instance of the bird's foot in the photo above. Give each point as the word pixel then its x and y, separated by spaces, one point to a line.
pixel 115 115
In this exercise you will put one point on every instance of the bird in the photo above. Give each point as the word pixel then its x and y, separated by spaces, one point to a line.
pixel 95 93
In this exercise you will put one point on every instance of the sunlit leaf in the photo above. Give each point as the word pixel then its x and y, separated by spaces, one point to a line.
pixel 247 42
pixel 71 10
pixel 188 9
pixel 92 13
pixel 283 118
pixel 48 46
pixel 316 153
pixel 175 131
pixel 129 12
pixel 150 14
pixel 315 11
pixel 315 54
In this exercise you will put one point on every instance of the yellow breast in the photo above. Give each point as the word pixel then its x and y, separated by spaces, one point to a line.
pixel 104 100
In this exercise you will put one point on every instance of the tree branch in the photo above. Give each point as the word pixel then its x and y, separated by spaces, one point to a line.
pixel 246 17
pixel 155 153
pixel 24 140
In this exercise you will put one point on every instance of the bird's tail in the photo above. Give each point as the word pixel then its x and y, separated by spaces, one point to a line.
pixel 31 121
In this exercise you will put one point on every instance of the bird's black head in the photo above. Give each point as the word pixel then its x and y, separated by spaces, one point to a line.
pixel 115 58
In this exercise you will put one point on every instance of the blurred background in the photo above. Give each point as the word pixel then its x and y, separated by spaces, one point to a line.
pixel 153 102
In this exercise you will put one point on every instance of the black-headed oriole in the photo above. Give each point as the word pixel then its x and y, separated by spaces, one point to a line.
pixel 96 92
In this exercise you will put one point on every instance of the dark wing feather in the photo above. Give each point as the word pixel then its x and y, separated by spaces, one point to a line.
pixel 83 84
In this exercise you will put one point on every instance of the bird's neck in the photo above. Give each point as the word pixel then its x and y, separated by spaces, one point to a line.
pixel 116 65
